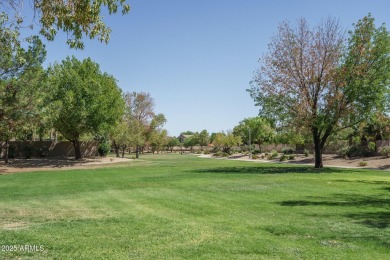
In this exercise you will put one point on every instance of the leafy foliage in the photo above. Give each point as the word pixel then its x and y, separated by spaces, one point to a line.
pixel 104 148
pixel 172 142
pixel 260 129
pixel 83 100
pixel 21 77
pixel 385 151
pixel 76 18
pixel 307 79
pixel 226 141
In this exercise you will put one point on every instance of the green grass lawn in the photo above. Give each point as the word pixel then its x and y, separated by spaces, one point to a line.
pixel 181 206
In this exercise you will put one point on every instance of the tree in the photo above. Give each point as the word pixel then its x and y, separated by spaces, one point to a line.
pixel 121 137
pixel 188 132
pixel 76 18
pixel 172 142
pixel 83 100
pixel 306 78
pixel 203 138
pixel 20 76
pixel 139 107
pixel 261 130
pixel 226 141
pixel 155 135
pixel 158 140
pixel 190 142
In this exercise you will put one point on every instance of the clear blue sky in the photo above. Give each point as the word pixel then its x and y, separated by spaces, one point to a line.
pixel 196 58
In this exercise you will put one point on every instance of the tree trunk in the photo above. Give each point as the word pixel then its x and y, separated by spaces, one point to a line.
pixel 6 151
pixel 116 147
pixel 259 146
pixel 350 141
pixel 137 151
pixel 123 151
pixel 317 150
pixel 77 149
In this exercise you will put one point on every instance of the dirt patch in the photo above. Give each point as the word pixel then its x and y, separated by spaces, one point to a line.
pixel 48 164
pixel 375 162
pixel 15 226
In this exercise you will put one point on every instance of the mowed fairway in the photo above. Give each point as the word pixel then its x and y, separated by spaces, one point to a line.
pixel 181 206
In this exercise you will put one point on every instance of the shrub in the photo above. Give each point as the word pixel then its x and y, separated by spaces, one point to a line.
pixel 256 151
pixel 235 150
pixel 255 156
pixel 273 155
pixel 287 150
pixel 215 149
pixel 218 154
pixel 362 163
pixel 343 151
pixel 371 146
pixel 206 152
pixel 357 150
pixel 385 151
pixel 104 148
pixel 306 152
pixel 262 156
pixel 291 157
pixel 283 157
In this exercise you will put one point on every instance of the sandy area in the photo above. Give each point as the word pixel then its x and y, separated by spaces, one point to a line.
pixel 46 164
pixel 42 164
pixel 375 162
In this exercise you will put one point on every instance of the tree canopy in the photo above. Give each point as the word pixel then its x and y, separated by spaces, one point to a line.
pixel 83 100
pixel 260 129
pixel 310 78
pixel 21 77
pixel 76 18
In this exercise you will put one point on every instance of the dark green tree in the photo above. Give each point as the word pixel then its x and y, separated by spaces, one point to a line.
pixel 172 142
pixel 21 77
pixel 203 138
pixel 83 100
pixel 260 128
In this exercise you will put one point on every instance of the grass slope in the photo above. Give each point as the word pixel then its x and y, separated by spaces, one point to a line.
pixel 181 206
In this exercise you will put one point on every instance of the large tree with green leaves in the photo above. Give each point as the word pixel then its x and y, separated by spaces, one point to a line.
pixel 83 100
pixel 77 18
pixel 308 77
pixel 226 141
pixel 21 77
pixel 203 138
pixel 140 108
pixel 260 128
pixel 172 142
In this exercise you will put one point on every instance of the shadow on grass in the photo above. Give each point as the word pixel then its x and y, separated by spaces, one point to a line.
pixel 366 182
pixel 269 170
pixel 372 219
pixel 379 219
